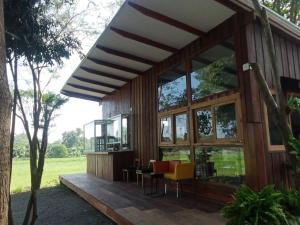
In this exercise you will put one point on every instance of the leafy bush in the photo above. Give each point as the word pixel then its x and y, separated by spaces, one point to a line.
pixel 291 203
pixel 256 208
pixel 57 151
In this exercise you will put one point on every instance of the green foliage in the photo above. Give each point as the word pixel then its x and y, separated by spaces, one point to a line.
pixel 294 103
pixel 57 151
pixel 291 202
pixel 295 144
pixel 21 146
pixel 34 30
pixel 256 208
pixel 287 8
pixel 73 139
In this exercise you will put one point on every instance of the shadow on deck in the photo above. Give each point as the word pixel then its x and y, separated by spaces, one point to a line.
pixel 126 204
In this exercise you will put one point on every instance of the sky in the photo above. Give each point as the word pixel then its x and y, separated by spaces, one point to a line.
pixel 76 112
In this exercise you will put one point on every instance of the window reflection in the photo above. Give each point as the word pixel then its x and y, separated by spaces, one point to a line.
pixel 226 124
pixel 177 153
pixel 172 88
pixel 220 164
pixel 166 129
pixel 214 71
pixel 204 124
pixel 181 128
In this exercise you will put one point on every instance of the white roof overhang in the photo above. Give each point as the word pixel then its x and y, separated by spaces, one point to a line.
pixel 144 33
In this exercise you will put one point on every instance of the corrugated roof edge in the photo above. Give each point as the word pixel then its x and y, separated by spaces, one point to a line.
pixel 94 45
pixel 276 20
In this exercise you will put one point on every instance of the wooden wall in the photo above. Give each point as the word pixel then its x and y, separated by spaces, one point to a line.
pixel 288 55
pixel 139 97
pixel 118 102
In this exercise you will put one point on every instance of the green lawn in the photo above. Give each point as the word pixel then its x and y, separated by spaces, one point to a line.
pixel 53 168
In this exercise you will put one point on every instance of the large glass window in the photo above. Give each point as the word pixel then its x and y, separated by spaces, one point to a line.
pixel 166 129
pixel 214 71
pixel 175 153
pixel 172 88
pixel 181 123
pixel 220 164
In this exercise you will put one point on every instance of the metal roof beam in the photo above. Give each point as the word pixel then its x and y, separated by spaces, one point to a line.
pixel 126 55
pixel 166 19
pixel 104 74
pixel 96 82
pixel 82 96
pixel 143 40
pixel 115 66
pixel 89 89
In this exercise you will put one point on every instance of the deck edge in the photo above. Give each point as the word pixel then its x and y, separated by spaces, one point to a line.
pixel 96 203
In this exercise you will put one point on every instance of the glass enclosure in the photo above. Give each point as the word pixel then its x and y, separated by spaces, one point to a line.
pixel 107 135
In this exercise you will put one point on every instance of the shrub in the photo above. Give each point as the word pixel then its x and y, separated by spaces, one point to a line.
pixel 57 151
pixel 291 203
pixel 256 208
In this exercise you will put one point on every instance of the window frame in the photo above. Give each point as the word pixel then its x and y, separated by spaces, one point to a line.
pixel 270 147
pixel 212 104
pixel 173 113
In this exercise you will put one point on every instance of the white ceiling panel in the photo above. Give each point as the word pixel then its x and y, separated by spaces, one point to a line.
pixel 113 40
pixel 106 69
pixel 80 91
pixel 201 14
pixel 85 84
pixel 99 54
pixel 84 74
pixel 134 22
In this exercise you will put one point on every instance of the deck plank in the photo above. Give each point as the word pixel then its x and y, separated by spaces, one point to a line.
pixel 127 205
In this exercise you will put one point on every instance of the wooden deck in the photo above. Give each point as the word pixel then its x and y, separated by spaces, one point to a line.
pixel 126 204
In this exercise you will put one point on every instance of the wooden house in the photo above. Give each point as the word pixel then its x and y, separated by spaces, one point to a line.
pixel 178 70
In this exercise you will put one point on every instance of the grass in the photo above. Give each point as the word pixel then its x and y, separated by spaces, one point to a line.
pixel 53 168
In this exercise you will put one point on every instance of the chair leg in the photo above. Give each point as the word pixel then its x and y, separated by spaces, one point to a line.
pixel 137 179
pixel 177 189
pixel 123 176
pixel 165 188
pixel 127 177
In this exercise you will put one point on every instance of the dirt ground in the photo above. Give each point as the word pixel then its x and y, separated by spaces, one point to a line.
pixel 59 206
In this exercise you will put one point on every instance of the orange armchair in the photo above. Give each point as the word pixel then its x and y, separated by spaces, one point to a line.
pixel 175 171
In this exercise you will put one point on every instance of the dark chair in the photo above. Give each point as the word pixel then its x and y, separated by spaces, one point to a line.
pixel 130 170
pixel 144 172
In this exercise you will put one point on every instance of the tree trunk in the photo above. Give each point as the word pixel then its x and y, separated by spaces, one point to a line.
pixel 5 110
pixel 12 133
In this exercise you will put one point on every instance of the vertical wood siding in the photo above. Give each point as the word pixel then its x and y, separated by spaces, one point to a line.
pixel 288 55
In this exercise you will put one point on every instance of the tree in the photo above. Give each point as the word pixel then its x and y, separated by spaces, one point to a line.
pixel 287 8
pixel 278 106
pixel 39 35
pixel 5 109
pixel 73 139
